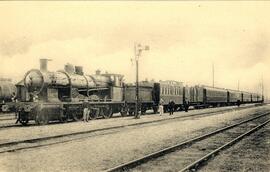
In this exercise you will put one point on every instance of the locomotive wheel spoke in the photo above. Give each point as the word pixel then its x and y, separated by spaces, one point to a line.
pixel 143 111
pixel 43 119
pixel 123 113
pixel 77 116
pixel 93 114
pixel 131 112
pixel 63 119
pixel 106 112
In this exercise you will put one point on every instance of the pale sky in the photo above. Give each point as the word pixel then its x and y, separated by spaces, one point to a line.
pixel 185 38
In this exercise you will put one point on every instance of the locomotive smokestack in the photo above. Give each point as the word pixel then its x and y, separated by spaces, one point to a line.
pixel 44 65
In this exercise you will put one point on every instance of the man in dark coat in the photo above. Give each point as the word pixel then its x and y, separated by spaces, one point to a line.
pixel 171 107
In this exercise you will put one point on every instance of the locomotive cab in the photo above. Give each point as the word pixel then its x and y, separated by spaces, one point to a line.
pixel 108 87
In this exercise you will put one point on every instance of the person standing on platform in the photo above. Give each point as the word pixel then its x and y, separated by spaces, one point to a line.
pixel 86 112
pixel 171 107
pixel 160 107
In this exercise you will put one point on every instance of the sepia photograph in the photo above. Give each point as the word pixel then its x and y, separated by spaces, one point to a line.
pixel 139 86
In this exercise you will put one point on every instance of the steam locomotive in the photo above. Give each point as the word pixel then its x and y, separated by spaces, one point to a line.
pixel 45 96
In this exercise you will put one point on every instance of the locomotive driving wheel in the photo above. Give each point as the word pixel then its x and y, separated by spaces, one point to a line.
pixel 42 118
pixel 63 119
pixel 143 110
pixel 77 116
pixel 94 113
pixel 106 112
pixel 131 112
pixel 124 110
pixel 124 113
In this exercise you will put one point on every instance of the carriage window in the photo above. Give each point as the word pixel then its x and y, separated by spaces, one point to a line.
pixel 164 90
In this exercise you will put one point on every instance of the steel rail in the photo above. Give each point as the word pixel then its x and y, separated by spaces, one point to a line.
pixel 136 162
pixel 47 138
pixel 6 119
pixel 197 163
pixel 176 117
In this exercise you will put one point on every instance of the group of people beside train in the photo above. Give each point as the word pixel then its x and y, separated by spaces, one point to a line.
pixel 171 107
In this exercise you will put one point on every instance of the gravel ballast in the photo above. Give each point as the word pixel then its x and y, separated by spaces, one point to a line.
pixel 104 151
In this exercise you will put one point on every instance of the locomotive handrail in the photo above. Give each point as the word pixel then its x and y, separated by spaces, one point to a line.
pixel 96 89
pixel 65 73
pixel 87 85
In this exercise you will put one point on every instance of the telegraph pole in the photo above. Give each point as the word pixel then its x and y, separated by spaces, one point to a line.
pixel 138 48
pixel 262 89
pixel 137 82
pixel 213 74
pixel 238 85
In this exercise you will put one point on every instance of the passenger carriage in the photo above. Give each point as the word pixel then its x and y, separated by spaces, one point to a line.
pixel 174 91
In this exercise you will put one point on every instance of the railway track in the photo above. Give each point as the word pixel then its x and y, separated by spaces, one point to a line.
pixel 5 113
pixel 7 117
pixel 190 154
pixel 11 146
pixel 13 125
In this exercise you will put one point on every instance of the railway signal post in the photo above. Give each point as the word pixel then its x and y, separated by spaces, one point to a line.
pixel 138 48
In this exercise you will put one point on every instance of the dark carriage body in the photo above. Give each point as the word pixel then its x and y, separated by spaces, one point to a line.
pixel 234 97
pixel 246 97
pixel 148 96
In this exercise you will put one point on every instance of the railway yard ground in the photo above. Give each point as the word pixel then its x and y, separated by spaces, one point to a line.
pixel 100 145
